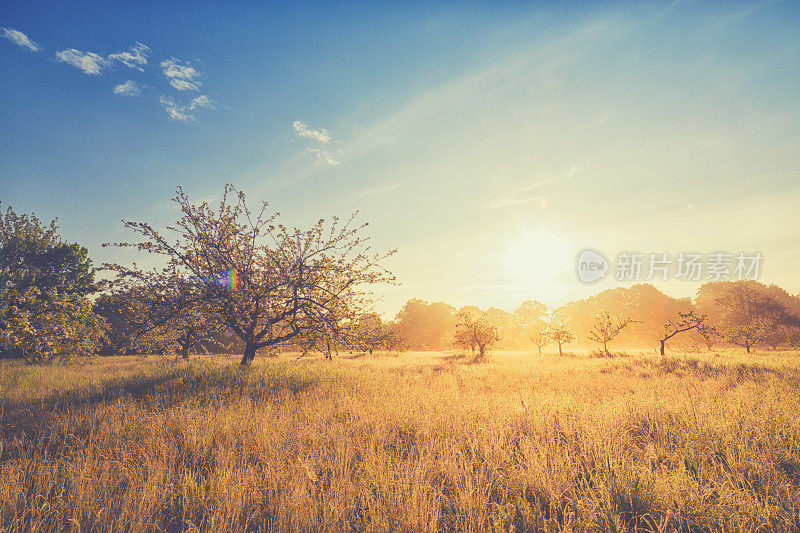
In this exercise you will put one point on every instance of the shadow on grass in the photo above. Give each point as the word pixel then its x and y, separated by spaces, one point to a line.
pixel 158 388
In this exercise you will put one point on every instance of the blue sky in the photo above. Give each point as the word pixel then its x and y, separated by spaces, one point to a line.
pixel 489 144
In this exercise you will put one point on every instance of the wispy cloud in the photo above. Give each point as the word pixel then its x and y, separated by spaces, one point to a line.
pixel 20 39
pixel 567 175
pixel 519 201
pixel 379 190
pixel 320 135
pixel 94 64
pixel 181 75
pixel 323 155
pixel 135 58
pixel 129 88
pixel 90 63
pixel 183 113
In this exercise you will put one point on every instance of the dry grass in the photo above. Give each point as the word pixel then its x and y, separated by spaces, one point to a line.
pixel 417 442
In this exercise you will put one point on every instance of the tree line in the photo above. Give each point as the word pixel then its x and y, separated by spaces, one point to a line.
pixel 231 279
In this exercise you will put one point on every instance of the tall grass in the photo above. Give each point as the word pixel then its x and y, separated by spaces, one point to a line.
pixel 420 442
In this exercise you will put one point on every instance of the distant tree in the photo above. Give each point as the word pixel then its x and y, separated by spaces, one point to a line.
pixel 532 316
pixel 749 314
pixel 164 313
pixel 560 335
pixel 44 283
pixel 426 325
pixel 606 328
pixel 371 333
pixel 708 334
pixel 685 322
pixel 476 331
pixel 266 283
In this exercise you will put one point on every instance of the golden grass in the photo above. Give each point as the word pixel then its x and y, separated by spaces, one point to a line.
pixel 416 442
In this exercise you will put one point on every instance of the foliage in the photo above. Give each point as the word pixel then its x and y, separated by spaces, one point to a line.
pixel 265 282
pixel 475 332
pixel 44 283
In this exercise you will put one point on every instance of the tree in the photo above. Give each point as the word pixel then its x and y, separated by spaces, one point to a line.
pixel 266 283
pixel 708 334
pixel 44 284
pixel 475 331
pixel 685 322
pixel 531 316
pixel 426 326
pixel 749 314
pixel 164 313
pixel 606 328
pixel 561 335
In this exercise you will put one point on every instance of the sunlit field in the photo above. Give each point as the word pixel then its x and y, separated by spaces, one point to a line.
pixel 419 441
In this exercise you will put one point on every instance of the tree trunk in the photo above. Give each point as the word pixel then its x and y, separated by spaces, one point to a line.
pixel 185 350
pixel 605 349
pixel 540 350
pixel 747 347
pixel 559 350
pixel 482 349
pixel 662 347
pixel 249 353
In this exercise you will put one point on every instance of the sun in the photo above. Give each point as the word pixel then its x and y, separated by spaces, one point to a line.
pixel 537 256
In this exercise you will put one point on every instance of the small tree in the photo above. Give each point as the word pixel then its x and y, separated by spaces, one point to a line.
pixel 685 322
pixel 475 331
pixel 606 328
pixel 561 335
pixel 531 316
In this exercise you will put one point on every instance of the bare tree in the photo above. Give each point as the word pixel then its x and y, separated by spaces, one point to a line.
pixel 606 328
pixel 685 322
pixel 265 282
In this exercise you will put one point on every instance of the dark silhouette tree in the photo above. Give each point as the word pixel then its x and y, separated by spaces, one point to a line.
pixel 685 322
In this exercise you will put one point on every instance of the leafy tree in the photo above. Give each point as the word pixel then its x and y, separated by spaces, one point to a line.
pixel 44 283
pixel 476 331
pixel 371 333
pixel 531 316
pixel 606 328
pixel 266 283
pixel 426 326
pixel 560 335
pixel 749 314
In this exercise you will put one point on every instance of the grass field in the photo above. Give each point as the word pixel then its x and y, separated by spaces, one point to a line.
pixel 415 442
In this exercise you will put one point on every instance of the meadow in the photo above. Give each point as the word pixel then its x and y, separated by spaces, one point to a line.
pixel 418 441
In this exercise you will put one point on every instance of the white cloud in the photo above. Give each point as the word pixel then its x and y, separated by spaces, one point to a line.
pixel 20 39
pixel 129 88
pixel 183 113
pixel 176 111
pixel 90 63
pixel 321 135
pixel 323 155
pixel 201 101
pixel 136 58
pixel 182 76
